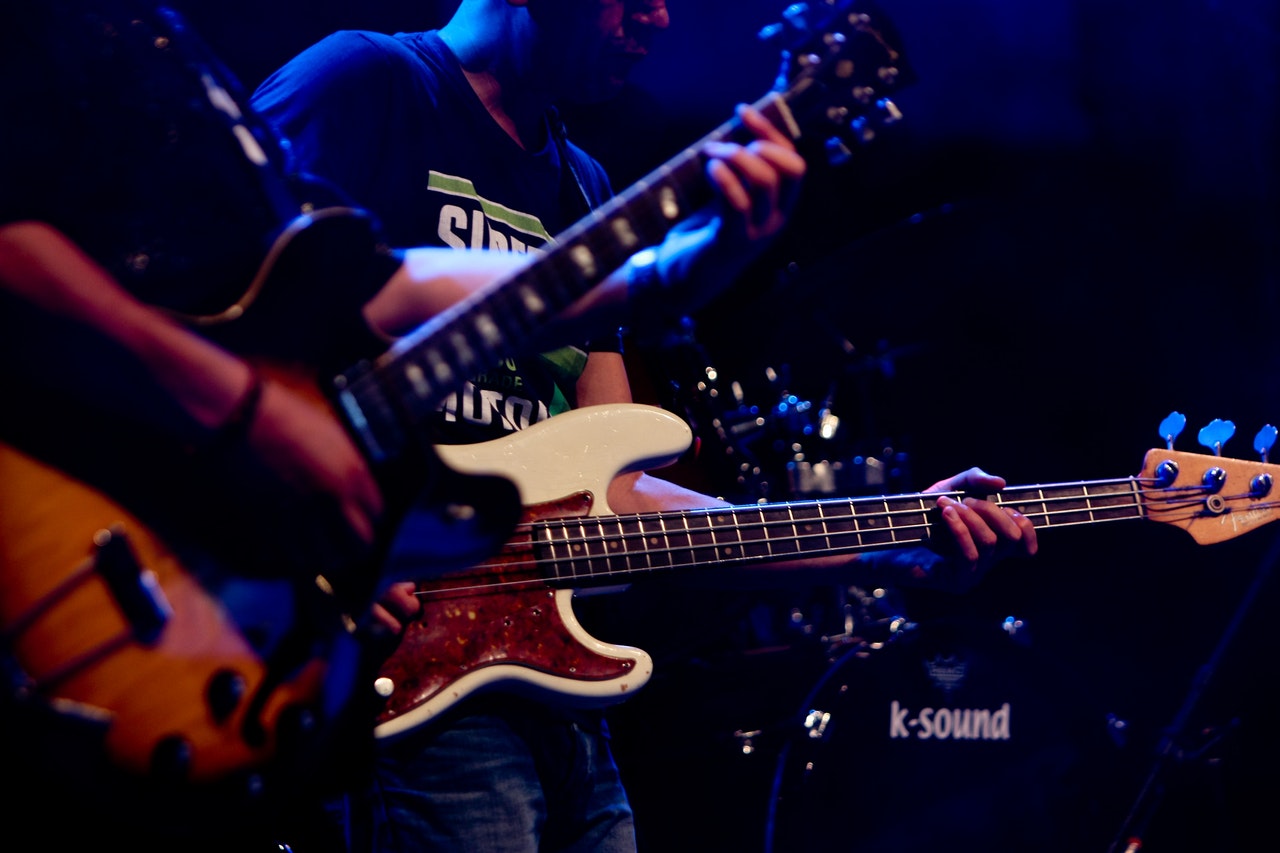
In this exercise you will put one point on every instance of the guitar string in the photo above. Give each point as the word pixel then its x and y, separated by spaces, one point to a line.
pixel 852 541
pixel 1097 502
pixel 694 546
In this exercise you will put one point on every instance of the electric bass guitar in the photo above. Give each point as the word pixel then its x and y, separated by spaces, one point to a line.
pixel 186 672
pixel 509 621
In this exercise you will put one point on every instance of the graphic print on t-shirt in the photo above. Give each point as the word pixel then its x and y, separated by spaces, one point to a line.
pixel 470 221
pixel 504 398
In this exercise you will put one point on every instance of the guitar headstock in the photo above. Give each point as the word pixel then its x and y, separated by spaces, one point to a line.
pixel 1211 497
pixel 840 63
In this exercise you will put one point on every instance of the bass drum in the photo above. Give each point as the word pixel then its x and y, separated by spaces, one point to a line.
pixel 958 737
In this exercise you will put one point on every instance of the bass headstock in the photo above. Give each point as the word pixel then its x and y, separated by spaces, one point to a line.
pixel 1212 497
pixel 841 62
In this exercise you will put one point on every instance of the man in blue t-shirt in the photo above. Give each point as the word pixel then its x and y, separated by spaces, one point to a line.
pixel 451 138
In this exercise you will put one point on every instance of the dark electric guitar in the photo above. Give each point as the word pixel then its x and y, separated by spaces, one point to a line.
pixel 154 647
pixel 509 621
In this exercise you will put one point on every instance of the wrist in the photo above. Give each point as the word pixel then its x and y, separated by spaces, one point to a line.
pixel 236 425
pixel 651 305
pixel 898 566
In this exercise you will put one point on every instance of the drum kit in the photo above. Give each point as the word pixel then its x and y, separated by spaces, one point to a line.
pixel 843 717
pixel 939 713
pixel 788 448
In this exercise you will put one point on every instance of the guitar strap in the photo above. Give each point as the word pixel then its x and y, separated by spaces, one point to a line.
pixel 258 140
pixel 576 200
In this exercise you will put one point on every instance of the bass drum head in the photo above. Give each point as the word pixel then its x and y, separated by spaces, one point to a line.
pixel 957 737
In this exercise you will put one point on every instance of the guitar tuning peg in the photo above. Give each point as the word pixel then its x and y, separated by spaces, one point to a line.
pixel 889 112
pixel 793 21
pixel 837 152
pixel 863 131
pixel 1172 426
pixel 1263 441
pixel 1216 434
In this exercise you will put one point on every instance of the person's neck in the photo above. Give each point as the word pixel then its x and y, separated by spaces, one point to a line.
pixel 496 75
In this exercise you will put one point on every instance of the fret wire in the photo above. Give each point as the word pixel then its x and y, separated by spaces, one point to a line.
pixel 666 537
pixel 603 563
pixel 572 552
pixel 599 564
pixel 643 537
pixel 553 548
pixel 588 556
pixel 702 535
pixel 826 531
pixel 607 545
pixel 581 553
pixel 737 531
pixel 647 538
pixel 688 534
pixel 795 530
pixel 612 543
pixel 764 534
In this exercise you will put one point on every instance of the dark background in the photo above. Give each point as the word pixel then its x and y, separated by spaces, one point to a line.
pixel 1072 233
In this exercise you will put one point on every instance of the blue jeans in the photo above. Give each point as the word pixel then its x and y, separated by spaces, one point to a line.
pixel 508 776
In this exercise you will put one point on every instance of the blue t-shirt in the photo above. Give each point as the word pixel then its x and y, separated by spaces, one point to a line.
pixel 394 122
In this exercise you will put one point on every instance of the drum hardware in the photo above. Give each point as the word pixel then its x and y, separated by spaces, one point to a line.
pixel 1118 730
pixel 815 724
pixel 841 739
pixel 747 740
pixel 862 626
pixel 1176 751
pixel 1016 630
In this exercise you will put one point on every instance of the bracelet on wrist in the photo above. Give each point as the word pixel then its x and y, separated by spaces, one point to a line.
pixel 236 426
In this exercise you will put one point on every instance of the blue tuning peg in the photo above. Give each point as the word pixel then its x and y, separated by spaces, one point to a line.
pixel 1172 426
pixel 1216 434
pixel 1263 441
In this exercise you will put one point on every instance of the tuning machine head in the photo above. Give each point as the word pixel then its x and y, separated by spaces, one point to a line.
pixel 1216 434
pixel 1264 440
pixel 839 66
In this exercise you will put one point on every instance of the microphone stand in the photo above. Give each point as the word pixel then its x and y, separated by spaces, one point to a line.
pixel 1169 752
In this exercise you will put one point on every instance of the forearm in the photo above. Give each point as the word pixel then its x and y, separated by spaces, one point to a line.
pixel 432 280
pixel 42 267
pixel 641 492
pixel 647 293
pixel 658 286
